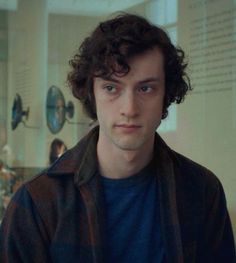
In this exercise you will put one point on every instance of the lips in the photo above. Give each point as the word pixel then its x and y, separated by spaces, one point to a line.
pixel 128 127
pixel 131 126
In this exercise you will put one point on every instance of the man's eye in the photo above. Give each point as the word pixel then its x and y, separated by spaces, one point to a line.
pixel 110 88
pixel 145 89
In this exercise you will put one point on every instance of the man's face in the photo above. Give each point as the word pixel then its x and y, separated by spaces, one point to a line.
pixel 129 108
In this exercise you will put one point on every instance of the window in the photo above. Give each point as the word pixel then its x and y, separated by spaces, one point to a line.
pixel 164 13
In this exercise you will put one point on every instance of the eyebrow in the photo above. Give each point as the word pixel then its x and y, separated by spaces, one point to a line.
pixel 110 79
pixel 150 79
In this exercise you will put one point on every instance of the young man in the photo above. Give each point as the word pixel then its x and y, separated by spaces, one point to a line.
pixel 122 195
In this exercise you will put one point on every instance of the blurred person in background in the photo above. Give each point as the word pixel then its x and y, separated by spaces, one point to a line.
pixel 57 148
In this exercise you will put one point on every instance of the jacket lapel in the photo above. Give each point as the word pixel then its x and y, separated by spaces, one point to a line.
pixel 168 206
pixel 82 162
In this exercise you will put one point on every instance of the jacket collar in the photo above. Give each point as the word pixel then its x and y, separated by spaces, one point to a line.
pixel 81 160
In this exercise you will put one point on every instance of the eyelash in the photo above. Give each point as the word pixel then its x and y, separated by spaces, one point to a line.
pixel 110 88
pixel 147 87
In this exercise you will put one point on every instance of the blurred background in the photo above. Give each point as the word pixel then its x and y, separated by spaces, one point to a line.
pixel 37 39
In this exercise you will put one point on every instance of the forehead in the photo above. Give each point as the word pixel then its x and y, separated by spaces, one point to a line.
pixel 150 59
pixel 149 64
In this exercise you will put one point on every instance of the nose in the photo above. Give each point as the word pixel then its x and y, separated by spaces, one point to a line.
pixel 129 105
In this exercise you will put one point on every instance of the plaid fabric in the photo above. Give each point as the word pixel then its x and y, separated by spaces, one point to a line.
pixel 58 215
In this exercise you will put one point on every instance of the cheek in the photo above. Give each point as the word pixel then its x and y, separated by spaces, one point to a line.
pixel 106 106
pixel 153 113
pixel 103 111
pixel 154 107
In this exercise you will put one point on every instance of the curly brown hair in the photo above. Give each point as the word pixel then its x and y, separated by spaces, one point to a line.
pixel 108 49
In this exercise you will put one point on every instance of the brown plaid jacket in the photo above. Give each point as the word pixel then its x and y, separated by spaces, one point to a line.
pixel 58 215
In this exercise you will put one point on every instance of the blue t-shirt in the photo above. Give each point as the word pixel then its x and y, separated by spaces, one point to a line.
pixel 132 222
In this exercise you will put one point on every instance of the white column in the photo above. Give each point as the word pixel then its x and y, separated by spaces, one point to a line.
pixel 28 53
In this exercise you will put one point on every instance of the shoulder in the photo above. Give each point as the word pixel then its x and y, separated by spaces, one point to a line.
pixel 190 168
pixel 43 197
pixel 44 186
pixel 189 175
pixel 196 179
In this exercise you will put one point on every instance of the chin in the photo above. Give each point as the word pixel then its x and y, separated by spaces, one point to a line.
pixel 129 146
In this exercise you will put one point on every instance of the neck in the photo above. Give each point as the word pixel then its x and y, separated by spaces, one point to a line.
pixel 117 163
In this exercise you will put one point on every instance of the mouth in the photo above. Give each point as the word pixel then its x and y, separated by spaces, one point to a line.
pixel 128 127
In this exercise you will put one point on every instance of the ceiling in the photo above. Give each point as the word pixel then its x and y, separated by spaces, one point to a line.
pixel 90 7
pixel 79 7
